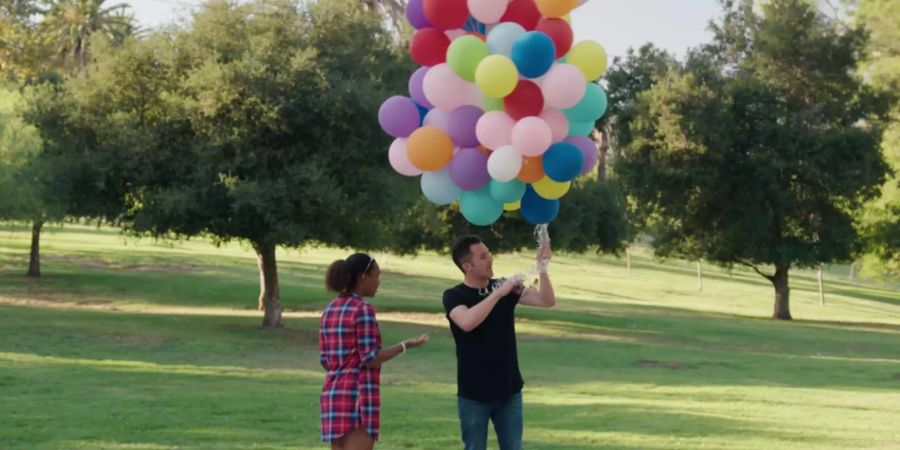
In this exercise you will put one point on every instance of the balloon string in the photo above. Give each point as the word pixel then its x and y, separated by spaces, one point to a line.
pixel 542 236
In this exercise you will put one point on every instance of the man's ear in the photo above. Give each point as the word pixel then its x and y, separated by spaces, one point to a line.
pixel 466 266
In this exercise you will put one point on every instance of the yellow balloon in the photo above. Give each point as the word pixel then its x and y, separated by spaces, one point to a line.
pixel 589 57
pixel 496 76
pixel 567 18
pixel 514 206
pixel 551 190
pixel 555 8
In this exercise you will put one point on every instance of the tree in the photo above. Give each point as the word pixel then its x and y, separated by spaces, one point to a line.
pixel 73 22
pixel 881 217
pixel 758 152
pixel 25 51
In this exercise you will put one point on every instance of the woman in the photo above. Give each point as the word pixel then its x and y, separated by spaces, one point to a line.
pixel 350 351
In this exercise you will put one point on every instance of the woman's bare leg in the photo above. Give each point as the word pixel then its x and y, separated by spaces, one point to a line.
pixel 357 439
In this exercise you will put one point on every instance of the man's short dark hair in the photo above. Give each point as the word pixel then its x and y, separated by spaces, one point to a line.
pixel 462 249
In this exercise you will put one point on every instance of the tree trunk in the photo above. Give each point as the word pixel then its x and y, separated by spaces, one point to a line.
pixel 821 287
pixel 603 149
pixel 782 292
pixel 852 270
pixel 699 277
pixel 34 260
pixel 269 295
pixel 628 260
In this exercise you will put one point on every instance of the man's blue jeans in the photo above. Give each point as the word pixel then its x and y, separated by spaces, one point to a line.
pixel 506 416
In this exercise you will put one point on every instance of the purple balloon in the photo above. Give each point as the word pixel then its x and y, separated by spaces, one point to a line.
pixel 415 14
pixel 588 151
pixel 415 87
pixel 399 116
pixel 468 169
pixel 462 125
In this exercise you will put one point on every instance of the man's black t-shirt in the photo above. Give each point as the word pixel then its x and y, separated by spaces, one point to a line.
pixel 487 366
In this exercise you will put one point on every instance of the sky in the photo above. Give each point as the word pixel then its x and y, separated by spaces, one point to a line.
pixel 674 25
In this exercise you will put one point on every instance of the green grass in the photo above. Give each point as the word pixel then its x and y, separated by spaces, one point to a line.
pixel 127 344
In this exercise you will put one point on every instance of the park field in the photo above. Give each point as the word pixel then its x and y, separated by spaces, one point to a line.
pixel 143 344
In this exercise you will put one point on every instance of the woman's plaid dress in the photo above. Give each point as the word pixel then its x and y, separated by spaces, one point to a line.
pixel 349 339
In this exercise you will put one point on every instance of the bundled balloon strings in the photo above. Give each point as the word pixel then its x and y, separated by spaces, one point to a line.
pixel 542 236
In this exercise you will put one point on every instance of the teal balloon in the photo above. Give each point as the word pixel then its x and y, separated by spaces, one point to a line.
pixel 536 209
pixel 479 208
pixel 507 191
pixel 591 107
pixel 562 162
pixel 580 128
pixel 438 188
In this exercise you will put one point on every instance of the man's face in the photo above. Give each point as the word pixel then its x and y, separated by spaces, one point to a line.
pixel 480 263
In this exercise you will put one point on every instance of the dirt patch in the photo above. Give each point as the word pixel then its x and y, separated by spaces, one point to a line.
pixel 897 376
pixel 91 263
pixel 671 365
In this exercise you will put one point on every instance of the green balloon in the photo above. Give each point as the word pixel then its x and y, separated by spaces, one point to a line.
pixel 493 104
pixel 507 191
pixel 591 107
pixel 479 208
pixel 464 55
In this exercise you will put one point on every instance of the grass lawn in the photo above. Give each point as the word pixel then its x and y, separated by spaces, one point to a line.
pixel 127 344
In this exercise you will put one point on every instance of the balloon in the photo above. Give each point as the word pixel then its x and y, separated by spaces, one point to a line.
pixel 487 11
pixel 533 53
pixel 447 91
pixel 416 15
pixel 522 12
pixel 514 206
pixel 492 104
pixel 563 162
pixel 453 34
pixel 590 57
pixel 532 170
pixel 537 210
pixel 464 54
pixel 507 191
pixel 563 86
pixel 560 32
pixel 429 149
pixel 479 208
pixel 429 47
pixel 423 111
pixel 415 87
pixel 502 37
pixel 504 164
pixel 591 107
pixel 446 14
pixel 468 169
pixel 438 188
pixel 398 116
pixel 555 8
pixel 494 129
pixel 437 118
pixel 551 190
pixel 462 124
pixel 400 160
pixel 531 136
pixel 496 76
pixel 580 128
pixel 558 122
pixel 525 100
pixel 588 150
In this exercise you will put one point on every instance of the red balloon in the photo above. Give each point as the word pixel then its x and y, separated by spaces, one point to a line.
pixel 560 31
pixel 429 47
pixel 522 12
pixel 526 100
pixel 446 14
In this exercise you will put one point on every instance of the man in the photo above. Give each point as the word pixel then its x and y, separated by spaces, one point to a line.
pixel 482 320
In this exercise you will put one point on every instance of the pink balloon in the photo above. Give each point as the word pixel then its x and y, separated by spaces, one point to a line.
pixel 453 34
pixel 558 122
pixel 563 86
pixel 400 160
pixel 447 91
pixel 532 136
pixel 487 11
pixel 494 129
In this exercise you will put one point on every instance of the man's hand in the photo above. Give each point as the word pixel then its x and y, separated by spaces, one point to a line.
pixel 509 285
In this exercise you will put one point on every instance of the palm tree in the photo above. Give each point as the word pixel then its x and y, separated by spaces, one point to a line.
pixel 392 10
pixel 72 22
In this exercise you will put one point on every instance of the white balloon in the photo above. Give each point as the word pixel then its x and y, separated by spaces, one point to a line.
pixel 505 163
pixel 399 159
pixel 437 118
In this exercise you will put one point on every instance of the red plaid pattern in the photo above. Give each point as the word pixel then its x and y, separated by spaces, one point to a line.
pixel 349 339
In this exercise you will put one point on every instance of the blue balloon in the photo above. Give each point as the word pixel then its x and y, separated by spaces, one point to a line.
pixel 479 208
pixel 537 210
pixel 438 188
pixel 423 111
pixel 563 162
pixel 507 191
pixel 591 107
pixel 533 53
pixel 502 37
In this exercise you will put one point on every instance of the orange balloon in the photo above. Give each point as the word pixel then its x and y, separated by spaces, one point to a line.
pixel 429 148
pixel 553 9
pixel 532 169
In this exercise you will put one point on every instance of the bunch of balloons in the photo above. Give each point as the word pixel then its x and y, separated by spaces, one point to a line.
pixel 500 109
